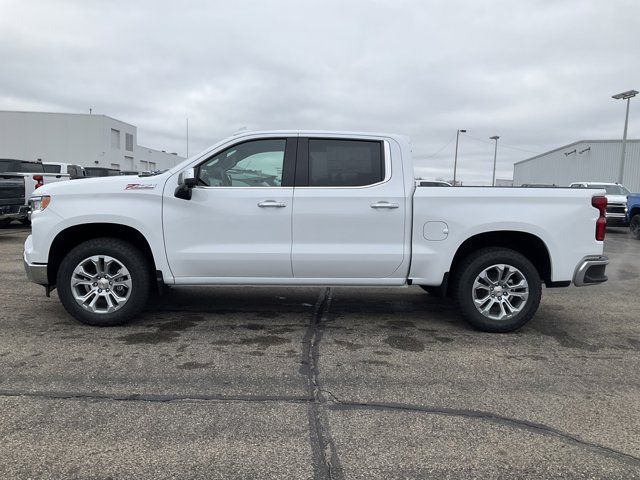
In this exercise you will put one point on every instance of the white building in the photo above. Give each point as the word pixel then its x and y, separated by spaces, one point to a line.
pixel 586 161
pixel 81 139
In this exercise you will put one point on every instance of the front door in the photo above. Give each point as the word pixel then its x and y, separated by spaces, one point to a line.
pixel 349 210
pixel 238 221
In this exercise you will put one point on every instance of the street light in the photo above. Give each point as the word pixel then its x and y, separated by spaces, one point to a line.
pixel 455 159
pixel 628 95
pixel 495 156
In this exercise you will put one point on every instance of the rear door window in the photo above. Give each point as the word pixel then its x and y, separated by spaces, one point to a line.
pixel 345 163
pixel 51 168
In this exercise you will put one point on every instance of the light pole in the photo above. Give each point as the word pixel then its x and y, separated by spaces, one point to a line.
pixel 624 96
pixel 495 156
pixel 455 159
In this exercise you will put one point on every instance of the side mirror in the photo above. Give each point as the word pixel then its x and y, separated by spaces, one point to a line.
pixel 186 181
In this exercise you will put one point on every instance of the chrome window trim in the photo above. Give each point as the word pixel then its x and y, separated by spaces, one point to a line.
pixel 387 166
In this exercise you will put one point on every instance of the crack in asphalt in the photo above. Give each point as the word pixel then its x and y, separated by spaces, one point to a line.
pixel 321 442
pixel 326 464
pixel 533 427
pixel 156 398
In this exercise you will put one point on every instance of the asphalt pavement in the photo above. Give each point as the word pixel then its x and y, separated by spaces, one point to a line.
pixel 248 382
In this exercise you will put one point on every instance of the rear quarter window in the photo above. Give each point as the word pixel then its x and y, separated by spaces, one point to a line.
pixel 31 167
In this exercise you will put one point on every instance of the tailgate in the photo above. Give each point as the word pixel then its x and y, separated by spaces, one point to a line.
pixel 11 189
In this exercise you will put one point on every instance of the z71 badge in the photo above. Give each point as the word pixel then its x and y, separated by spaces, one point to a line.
pixel 140 186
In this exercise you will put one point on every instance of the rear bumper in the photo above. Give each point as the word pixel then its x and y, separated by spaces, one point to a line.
pixel 591 270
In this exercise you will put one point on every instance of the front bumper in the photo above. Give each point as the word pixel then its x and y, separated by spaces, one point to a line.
pixel 617 220
pixel 14 211
pixel 590 271
pixel 36 272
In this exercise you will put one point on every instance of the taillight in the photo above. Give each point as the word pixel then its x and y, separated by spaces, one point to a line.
pixel 39 180
pixel 600 202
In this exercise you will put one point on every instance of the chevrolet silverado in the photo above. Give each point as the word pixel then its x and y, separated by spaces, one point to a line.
pixel 311 208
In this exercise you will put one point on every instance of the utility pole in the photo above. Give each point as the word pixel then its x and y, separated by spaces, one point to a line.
pixel 495 156
pixel 187 137
pixel 628 95
pixel 455 159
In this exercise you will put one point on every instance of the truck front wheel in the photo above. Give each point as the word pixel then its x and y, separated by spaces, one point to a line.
pixel 634 226
pixel 497 289
pixel 104 282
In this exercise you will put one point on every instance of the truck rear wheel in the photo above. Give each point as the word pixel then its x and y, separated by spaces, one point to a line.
pixel 634 226
pixel 497 289
pixel 104 282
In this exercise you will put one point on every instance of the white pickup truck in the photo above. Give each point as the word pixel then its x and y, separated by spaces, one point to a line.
pixel 34 176
pixel 311 208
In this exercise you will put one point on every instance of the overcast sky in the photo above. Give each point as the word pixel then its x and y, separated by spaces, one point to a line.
pixel 538 73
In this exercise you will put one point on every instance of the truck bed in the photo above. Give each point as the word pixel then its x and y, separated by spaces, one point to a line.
pixel 445 217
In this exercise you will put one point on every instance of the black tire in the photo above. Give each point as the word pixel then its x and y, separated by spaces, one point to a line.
pixel 4 222
pixel 466 274
pixel 25 221
pixel 129 256
pixel 438 291
pixel 634 226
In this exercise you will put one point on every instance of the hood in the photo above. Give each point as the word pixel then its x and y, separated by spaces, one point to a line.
pixel 616 199
pixel 95 185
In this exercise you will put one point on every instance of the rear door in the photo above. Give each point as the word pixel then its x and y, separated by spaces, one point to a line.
pixel 348 209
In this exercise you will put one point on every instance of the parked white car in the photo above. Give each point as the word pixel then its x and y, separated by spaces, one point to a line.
pixel 616 201
pixel 74 171
pixel 311 208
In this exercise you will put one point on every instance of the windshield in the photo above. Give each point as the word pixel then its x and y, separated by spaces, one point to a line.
pixel 612 189
pixel 20 166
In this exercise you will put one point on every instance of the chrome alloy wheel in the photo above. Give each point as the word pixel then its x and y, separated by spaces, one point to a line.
pixel 500 292
pixel 101 284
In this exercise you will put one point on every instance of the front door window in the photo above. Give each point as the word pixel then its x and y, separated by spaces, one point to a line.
pixel 258 163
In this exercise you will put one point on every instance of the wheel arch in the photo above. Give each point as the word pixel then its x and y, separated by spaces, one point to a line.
pixel 73 236
pixel 527 244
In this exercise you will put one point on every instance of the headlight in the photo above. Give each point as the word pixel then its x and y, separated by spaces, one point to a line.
pixel 39 203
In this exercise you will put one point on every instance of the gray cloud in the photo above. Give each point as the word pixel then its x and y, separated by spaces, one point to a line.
pixel 537 73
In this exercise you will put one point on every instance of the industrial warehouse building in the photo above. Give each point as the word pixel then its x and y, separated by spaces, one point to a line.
pixel 81 139
pixel 583 161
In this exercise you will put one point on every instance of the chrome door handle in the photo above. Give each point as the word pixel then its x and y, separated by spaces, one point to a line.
pixel 271 203
pixel 384 205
